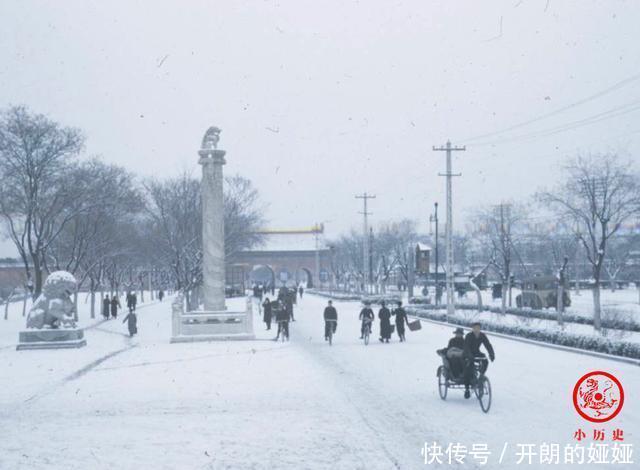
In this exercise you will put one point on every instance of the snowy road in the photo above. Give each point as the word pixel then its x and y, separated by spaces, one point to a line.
pixel 145 403
pixel 532 389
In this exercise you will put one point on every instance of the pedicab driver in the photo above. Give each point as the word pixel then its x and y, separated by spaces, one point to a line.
pixel 472 342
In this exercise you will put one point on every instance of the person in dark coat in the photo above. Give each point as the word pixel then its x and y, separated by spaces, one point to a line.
pixel 401 319
pixel 115 305
pixel 472 343
pixel 282 294
pixel 330 313
pixel 288 303
pixel 301 291
pixel 266 305
pixel 161 295
pixel 385 323
pixel 106 304
pixel 132 300
pixel 455 353
pixel 282 317
pixel 132 323
pixel 366 316
pixel 458 340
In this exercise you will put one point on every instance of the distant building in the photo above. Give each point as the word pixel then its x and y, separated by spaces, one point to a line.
pixel 12 275
pixel 285 257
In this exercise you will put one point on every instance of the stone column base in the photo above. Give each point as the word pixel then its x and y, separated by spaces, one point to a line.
pixel 51 339
pixel 226 325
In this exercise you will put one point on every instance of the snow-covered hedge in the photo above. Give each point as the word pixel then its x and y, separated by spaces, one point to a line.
pixel 374 299
pixel 538 315
pixel 335 295
pixel 586 342
pixel 378 299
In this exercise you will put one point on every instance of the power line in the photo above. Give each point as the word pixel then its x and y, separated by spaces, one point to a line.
pixel 575 104
pixel 603 116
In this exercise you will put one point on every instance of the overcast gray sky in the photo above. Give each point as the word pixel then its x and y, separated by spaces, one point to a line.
pixel 319 100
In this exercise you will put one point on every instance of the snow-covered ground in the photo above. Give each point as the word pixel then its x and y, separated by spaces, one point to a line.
pixel 145 403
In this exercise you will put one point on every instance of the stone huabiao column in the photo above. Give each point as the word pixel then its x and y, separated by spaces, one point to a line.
pixel 213 263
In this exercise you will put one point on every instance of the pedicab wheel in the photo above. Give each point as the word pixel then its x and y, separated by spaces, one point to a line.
pixel 483 392
pixel 443 386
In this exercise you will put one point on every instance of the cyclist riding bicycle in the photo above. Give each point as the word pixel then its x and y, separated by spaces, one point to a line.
pixel 366 317
pixel 472 343
pixel 282 317
pixel 330 320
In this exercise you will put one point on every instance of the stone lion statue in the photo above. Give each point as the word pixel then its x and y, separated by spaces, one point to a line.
pixel 54 307
pixel 211 139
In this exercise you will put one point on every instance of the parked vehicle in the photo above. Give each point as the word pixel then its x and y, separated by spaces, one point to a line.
pixel 541 292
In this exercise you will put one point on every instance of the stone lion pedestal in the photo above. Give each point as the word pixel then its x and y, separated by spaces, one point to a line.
pixel 51 322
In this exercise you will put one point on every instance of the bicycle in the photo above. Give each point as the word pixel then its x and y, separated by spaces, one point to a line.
pixel 481 385
pixel 283 327
pixel 331 328
pixel 366 334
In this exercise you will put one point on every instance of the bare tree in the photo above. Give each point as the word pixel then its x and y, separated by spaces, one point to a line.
pixel 110 194
pixel 175 223
pixel 37 196
pixel 497 227
pixel 599 195
pixel 618 254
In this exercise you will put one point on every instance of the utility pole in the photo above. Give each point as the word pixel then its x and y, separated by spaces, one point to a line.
pixel 449 229
pixel 370 273
pixel 316 230
pixel 434 218
pixel 365 249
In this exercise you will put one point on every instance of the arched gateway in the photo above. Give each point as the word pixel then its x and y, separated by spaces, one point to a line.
pixel 287 257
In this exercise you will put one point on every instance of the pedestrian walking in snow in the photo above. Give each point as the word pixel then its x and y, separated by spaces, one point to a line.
pixel 106 305
pixel 301 291
pixel 131 301
pixel 401 320
pixel 289 307
pixel 161 295
pixel 132 323
pixel 115 305
pixel 330 319
pixel 266 305
pixel 385 323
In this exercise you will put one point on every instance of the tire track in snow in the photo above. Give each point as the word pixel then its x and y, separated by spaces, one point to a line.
pixel 77 374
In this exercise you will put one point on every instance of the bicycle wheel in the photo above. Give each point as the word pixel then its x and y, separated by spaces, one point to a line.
pixel 330 337
pixel 366 338
pixel 483 392
pixel 443 386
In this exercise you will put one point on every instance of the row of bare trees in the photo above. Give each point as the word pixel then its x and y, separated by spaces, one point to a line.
pixel 590 219
pixel 99 221
pixel 388 250
pixel 587 225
